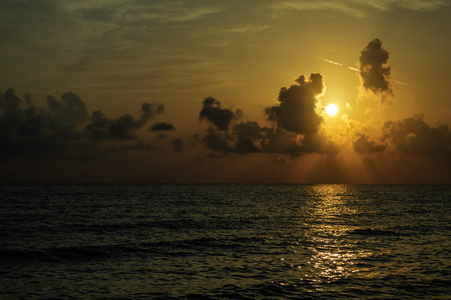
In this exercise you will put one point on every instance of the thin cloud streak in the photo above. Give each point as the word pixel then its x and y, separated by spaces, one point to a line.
pixel 357 70
pixel 361 8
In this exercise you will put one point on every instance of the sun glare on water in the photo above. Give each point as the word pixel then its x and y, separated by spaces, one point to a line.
pixel 331 109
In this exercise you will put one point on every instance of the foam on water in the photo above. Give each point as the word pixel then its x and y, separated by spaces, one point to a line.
pixel 225 241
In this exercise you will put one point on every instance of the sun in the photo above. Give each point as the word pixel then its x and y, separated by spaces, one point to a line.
pixel 331 109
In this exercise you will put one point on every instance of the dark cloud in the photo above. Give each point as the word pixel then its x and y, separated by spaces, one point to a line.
pixel 223 137
pixel 36 124
pixel 296 124
pixel 150 111
pixel 374 71
pixel 69 110
pixel 26 130
pixel 135 145
pixel 98 126
pixel 220 117
pixel 414 136
pixel 283 142
pixel 12 112
pixel 296 114
pixel 218 141
pixel 364 145
pixel 61 120
pixel 318 143
pixel 247 135
pixel 65 116
pixel 122 128
pixel 162 126
pixel 177 145
pixel 62 126
pixel 296 110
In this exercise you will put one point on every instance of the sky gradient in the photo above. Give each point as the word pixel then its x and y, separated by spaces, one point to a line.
pixel 225 91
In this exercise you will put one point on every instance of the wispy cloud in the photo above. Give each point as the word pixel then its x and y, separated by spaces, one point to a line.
pixel 246 29
pixel 341 6
pixel 134 12
pixel 419 5
pixel 360 8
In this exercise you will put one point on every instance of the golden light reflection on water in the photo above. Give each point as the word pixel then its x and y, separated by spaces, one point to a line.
pixel 330 219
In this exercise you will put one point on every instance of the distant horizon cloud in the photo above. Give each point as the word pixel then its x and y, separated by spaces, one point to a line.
pixel 63 125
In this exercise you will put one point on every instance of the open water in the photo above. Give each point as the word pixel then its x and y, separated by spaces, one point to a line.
pixel 130 241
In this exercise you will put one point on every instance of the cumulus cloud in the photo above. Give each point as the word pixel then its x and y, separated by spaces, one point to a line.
pixel 296 109
pixel 296 114
pixel 162 126
pixel 124 127
pixel 245 137
pixel 60 120
pixel 213 113
pixel 247 134
pixel 318 143
pixel 373 69
pixel 63 125
pixel 364 145
pixel 283 142
pixel 227 135
pixel 294 145
pixel 69 110
pixel 413 136
pixel 296 124
pixel 177 145
pixel 218 141
pixel 12 114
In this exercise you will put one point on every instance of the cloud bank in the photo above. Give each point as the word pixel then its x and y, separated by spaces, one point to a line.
pixel 413 136
pixel 294 129
pixel 63 125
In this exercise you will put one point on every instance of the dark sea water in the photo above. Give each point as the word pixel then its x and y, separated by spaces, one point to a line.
pixel 109 241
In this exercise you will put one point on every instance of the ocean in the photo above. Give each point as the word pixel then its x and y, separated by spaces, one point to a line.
pixel 225 241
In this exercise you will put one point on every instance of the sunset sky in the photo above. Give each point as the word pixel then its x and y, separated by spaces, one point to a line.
pixel 225 91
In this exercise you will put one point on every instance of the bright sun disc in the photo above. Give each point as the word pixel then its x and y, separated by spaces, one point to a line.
pixel 331 109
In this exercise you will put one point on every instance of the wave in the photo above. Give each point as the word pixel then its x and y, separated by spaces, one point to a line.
pixel 373 232
pixel 181 247
pixel 57 254
pixel 172 224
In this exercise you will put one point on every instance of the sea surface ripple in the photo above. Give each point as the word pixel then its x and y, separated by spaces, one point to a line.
pixel 175 241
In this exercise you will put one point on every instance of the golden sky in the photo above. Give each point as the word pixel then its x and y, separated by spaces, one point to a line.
pixel 225 91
